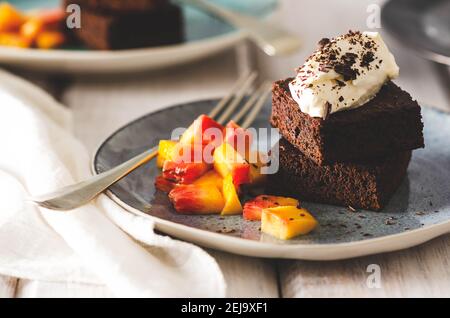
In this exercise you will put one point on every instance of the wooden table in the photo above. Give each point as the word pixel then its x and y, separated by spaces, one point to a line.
pixel 101 105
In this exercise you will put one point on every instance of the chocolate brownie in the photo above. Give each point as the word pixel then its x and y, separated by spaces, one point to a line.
pixel 114 31
pixel 118 5
pixel 367 185
pixel 390 122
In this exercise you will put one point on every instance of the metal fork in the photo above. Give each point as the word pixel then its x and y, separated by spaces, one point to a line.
pixel 76 195
pixel 272 39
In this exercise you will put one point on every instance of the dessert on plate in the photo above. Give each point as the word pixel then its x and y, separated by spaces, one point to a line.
pixel 204 175
pixel 113 25
pixel 348 130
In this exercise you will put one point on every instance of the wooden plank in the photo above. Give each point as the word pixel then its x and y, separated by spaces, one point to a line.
pixel 422 271
pixel 7 286
pixel 246 276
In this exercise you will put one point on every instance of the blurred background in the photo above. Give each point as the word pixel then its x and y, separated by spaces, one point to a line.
pixel 106 89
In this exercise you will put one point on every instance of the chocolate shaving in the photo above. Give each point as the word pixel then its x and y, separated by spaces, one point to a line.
pixel 324 42
pixel 328 110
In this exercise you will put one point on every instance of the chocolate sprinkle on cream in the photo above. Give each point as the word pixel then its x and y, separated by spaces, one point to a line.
pixel 332 73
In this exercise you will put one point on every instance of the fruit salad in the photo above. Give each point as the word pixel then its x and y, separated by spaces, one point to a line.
pixel 41 29
pixel 209 169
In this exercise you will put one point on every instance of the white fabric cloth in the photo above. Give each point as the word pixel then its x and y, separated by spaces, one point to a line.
pixel 97 243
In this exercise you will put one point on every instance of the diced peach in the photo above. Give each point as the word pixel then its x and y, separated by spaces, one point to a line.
pixel 31 28
pixel 193 153
pixel 211 178
pixel 10 18
pixel 164 185
pixel 202 131
pixel 239 138
pixel 13 39
pixel 165 149
pixel 49 17
pixel 184 173
pixel 253 208
pixel 50 39
pixel 232 203
pixel 197 199
pixel 256 164
pixel 286 222
pixel 228 161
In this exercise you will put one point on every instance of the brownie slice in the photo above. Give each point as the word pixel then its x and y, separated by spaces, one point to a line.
pixel 114 31
pixel 367 185
pixel 117 5
pixel 390 122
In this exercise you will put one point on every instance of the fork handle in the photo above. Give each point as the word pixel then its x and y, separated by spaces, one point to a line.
pixel 270 38
pixel 76 195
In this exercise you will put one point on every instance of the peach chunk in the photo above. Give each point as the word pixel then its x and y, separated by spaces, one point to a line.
pixel 164 185
pixel 253 208
pixel 211 178
pixel 286 222
pixel 197 199
pixel 31 28
pixel 202 131
pixel 50 39
pixel 184 173
pixel 165 149
pixel 228 161
pixel 10 18
pixel 14 39
pixel 239 138
pixel 257 161
pixel 232 203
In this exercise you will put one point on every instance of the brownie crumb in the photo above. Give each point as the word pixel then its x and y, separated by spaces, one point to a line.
pixel 390 222
pixel 226 230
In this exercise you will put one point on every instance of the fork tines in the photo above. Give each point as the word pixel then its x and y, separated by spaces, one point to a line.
pixel 248 112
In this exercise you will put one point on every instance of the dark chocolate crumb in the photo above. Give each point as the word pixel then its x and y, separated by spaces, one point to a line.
pixel 225 230
pixel 324 42
pixel 389 222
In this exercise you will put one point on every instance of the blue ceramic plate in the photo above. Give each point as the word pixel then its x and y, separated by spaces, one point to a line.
pixel 419 211
pixel 205 35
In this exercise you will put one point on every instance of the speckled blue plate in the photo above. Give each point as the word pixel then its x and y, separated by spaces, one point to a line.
pixel 205 35
pixel 419 211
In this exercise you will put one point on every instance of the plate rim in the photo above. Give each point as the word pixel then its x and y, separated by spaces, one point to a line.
pixel 127 60
pixel 241 246
pixel 421 51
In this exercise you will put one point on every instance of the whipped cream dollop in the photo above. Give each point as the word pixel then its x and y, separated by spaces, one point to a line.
pixel 344 73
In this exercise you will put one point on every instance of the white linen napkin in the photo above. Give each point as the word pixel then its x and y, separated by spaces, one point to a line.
pixel 97 243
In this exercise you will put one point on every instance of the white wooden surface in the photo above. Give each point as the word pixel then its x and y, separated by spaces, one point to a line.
pixel 101 105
